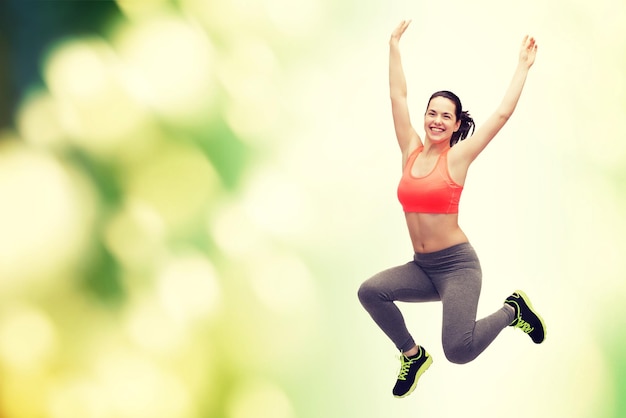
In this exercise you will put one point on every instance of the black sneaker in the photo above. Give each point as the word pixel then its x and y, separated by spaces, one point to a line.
pixel 411 369
pixel 526 318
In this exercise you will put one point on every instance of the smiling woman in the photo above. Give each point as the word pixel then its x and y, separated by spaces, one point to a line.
pixel 445 267
pixel 451 108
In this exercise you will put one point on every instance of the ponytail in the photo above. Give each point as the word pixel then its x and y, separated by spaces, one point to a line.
pixel 467 123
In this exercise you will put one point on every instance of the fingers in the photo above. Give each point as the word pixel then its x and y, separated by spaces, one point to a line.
pixel 402 27
pixel 532 46
pixel 524 40
pixel 529 43
pixel 528 50
pixel 404 24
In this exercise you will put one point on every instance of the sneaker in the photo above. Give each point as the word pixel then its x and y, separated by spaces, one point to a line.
pixel 410 371
pixel 526 318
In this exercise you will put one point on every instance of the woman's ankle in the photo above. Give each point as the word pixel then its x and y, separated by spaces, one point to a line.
pixel 413 351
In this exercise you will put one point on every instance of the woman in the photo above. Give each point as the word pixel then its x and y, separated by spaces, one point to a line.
pixel 445 267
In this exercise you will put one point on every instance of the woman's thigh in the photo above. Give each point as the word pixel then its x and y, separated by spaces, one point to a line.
pixel 405 283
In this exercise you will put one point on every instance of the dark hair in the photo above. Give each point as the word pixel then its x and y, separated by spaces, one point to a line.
pixel 467 122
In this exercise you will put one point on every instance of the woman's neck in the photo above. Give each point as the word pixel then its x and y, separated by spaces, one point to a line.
pixel 432 147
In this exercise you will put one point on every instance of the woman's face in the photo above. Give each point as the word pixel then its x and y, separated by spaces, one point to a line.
pixel 440 121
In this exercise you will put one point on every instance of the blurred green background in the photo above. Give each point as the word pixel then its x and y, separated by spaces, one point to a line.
pixel 192 191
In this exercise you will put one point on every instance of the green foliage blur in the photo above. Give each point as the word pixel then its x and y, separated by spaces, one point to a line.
pixel 135 279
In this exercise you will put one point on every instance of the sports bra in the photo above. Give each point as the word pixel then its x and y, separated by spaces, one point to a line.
pixel 435 192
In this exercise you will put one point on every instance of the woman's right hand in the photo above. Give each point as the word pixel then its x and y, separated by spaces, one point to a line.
pixel 528 51
pixel 398 31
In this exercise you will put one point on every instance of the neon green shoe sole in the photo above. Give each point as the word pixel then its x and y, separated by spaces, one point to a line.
pixel 410 371
pixel 526 318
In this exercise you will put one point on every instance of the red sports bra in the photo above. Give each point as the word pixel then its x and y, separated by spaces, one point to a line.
pixel 435 192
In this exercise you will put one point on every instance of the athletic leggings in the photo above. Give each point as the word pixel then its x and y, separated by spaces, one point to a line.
pixel 452 276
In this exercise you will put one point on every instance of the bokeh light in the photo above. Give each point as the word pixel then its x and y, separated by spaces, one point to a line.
pixel 45 202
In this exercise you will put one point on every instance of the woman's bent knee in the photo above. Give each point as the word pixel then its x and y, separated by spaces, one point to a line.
pixel 459 355
pixel 366 293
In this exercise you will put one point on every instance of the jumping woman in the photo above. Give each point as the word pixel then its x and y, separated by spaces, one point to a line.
pixel 444 267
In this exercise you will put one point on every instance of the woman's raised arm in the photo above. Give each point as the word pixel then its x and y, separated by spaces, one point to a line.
pixel 408 139
pixel 474 145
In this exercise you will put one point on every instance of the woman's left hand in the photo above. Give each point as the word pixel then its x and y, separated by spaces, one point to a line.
pixel 528 51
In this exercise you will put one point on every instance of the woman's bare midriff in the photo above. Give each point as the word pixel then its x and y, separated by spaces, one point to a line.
pixel 433 231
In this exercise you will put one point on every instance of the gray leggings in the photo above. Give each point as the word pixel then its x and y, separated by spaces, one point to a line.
pixel 452 276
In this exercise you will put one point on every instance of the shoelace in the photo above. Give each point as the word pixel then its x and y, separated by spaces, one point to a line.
pixel 524 326
pixel 406 365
